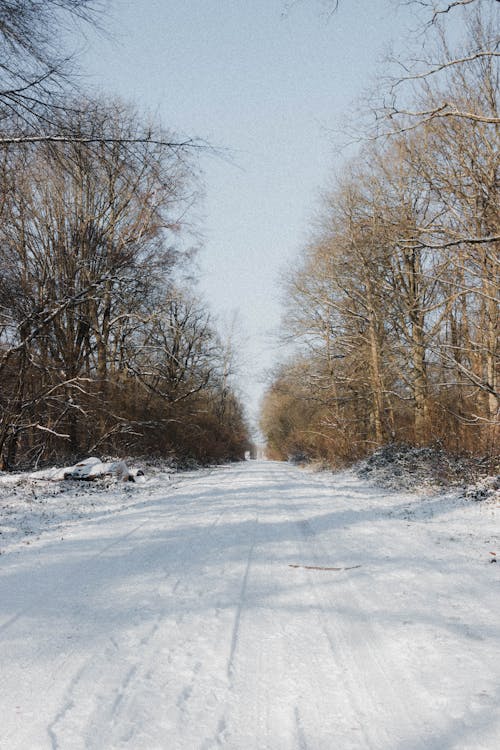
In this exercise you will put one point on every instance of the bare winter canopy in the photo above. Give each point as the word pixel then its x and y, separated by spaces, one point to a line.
pixel 103 342
pixel 395 302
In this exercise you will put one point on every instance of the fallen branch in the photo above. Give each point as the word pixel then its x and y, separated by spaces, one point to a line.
pixel 321 567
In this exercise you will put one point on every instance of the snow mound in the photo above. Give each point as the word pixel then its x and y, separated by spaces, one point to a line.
pixel 94 468
pixel 88 470
pixel 488 488
pixel 400 466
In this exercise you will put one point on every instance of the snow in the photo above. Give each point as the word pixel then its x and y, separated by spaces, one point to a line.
pixel 89 469
pixel 399 466
pixel 258 606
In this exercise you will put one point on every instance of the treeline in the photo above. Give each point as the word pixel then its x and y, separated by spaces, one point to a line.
pixel 394 304
pixel 104 346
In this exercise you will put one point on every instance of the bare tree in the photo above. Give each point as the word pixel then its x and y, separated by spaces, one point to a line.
pixel 88 237
pixel 38 101
pixel 422 87
pixel 397 330
pixel 34 73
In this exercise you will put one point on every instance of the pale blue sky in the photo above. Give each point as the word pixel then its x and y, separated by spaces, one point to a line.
pixel 269 86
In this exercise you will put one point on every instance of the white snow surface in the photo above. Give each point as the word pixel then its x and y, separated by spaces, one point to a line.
pixel 252 607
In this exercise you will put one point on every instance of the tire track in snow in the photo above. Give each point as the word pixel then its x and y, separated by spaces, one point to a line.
pixel 187 691
pixel 347 703
pixel 65 708
pixel 84 708
pixel 105 714
pixel 344 644
pixel 223 735
pixel 271 647
pixel 70 573
pixel 169 491
pixel 301 738
pixel 340 648
pixel 241 602
pixel 57 586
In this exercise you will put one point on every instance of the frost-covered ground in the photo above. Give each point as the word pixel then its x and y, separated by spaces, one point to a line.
pixel 34 503
pixel 253 607
pixel 399 466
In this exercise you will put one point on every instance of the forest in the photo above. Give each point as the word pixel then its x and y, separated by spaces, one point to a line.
pixel 159 590
pixel 393 305
pixel 105 345
pixel 391 322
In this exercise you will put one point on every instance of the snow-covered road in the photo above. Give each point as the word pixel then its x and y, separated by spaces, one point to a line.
pixel 256 607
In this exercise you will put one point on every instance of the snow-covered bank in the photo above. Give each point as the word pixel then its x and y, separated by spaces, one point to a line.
pixel 256 606
pixel 33 504
pixel 399 466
